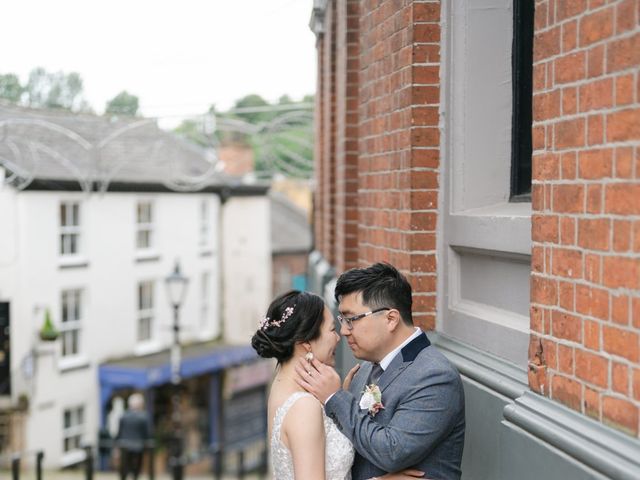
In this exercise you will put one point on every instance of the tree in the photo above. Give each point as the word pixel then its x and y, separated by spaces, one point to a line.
pixel 10 88
pixel 252 101
pixel 123 104
pixel 55 90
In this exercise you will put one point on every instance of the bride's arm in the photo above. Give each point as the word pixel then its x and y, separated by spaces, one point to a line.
pixel 304 430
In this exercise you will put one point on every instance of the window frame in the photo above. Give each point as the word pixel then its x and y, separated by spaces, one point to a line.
pixel 69 231
pixel 75 430
pixel 71 326
pixel 205 223
pixel 144 226
pixel 522 94
pixel 145 312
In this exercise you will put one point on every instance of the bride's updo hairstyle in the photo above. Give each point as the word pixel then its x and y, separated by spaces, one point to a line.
pixel 293 317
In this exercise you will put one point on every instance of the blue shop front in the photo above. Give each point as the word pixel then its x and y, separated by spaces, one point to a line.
pixel 222 405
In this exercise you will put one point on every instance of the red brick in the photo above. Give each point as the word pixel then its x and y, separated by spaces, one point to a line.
pixel 596 26
pixel 592 403
pixel 620 378
pixel 623 125
pixel 426 33
pixel 600 303
pixel 566 290
pixel 566 326
pixel 626 16
pixel 623 198
pixel 567 263
pixel 624 90
pixel 566 391
pixel 621 272
pixel 569 133
pixel 635 312
pixel 538 381
pixel 569 100
pixel 636 383
pixel 595 129
pixel 568 198
pixel 620 414
pixel 567 231
pixel 591 335
pixel 543 290
pixel 570 68
pixel 624 162
pixel 595 61
pixel 426 12
pixel 565 359
pixel 537 322
pixel 425 116
pixel 546 44
pixel 537 259
pixel 568 165
pixel 566 9
pixel 594 233
pixel 596 95
pixel 595 164
pixel 569 36
pixel 621 235
pixel 425 158
pixel 544 228
pixel 594 198
pixel 545 167
pixel 623 53
pixel 592 268
pixel 546 105
pixel 636 236
pixel 623 343
pixel 620 309
pixel 592 368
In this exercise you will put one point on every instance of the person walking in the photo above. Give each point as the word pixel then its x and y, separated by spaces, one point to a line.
pixel 133 432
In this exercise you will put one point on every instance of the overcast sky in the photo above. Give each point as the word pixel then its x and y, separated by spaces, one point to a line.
pixel 177 56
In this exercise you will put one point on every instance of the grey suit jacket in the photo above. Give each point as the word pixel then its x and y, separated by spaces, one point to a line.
pixel 422 423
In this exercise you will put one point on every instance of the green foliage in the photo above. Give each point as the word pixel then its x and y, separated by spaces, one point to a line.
pixel 48 332
pixel 55 90
pixel 123 104
pixel 10 88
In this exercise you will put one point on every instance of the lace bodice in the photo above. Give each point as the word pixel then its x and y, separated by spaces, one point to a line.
pixel 339 452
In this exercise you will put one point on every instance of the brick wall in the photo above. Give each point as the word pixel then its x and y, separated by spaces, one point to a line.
pixel 347 67
pixel 382 124
pixel 585 285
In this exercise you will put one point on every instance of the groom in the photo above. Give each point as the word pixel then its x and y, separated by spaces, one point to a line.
pixel 405 405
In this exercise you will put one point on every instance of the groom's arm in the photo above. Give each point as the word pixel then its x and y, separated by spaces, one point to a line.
pixel 422 418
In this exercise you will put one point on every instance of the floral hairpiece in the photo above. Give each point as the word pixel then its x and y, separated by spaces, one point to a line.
pixel 267 322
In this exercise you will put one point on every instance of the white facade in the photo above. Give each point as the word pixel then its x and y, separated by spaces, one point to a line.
pixel 108 274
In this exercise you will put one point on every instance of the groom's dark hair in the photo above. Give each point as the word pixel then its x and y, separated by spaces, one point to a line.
pixel 381 285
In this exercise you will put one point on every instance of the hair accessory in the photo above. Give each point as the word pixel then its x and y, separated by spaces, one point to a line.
pixel 309 357
pixel 267 322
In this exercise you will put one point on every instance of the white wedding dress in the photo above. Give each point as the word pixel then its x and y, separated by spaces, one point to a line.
pixel 339 452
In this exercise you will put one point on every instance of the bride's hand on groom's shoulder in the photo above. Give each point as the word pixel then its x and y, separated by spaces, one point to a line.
pixel 346 383
pixel 317 378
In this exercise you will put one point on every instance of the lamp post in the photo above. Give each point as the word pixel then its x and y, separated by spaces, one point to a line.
pixel 176 284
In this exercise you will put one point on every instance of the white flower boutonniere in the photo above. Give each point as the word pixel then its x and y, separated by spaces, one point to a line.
pixel 371 399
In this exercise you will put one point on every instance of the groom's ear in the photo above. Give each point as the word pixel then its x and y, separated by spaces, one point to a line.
pixel 393 319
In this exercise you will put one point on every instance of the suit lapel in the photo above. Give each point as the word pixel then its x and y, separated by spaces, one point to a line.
pixel 359 381
pixel 401 361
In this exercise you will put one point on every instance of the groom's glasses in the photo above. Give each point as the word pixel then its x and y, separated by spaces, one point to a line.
pixel 348 321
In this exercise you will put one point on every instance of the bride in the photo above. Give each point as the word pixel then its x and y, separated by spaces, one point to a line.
pixel 305 443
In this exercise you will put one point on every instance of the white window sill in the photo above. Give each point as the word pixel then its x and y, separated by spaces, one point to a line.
pixel 147 347
pixel 73 261
pixel 503 227
pixel 147 255
pixel 72 363
pixel 72 458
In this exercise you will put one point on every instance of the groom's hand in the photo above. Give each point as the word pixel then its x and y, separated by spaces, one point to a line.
pixel 317 378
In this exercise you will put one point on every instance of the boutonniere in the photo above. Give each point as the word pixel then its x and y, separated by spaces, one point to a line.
pixel 371 399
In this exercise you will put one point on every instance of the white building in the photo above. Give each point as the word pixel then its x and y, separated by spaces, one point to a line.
pixel 93 250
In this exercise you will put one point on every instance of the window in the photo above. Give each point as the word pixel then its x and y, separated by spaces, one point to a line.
pixel 205 283
pixel 145 311
pixel 204 222
pixel 73 430
pixel 71 322
pixel 144 220
pixel 522 84
pixel 69 228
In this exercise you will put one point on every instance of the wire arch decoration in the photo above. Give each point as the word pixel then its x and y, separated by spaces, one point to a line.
pixel 33 148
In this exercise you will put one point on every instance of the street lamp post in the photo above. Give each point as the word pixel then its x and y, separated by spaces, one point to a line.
pixel 176 284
